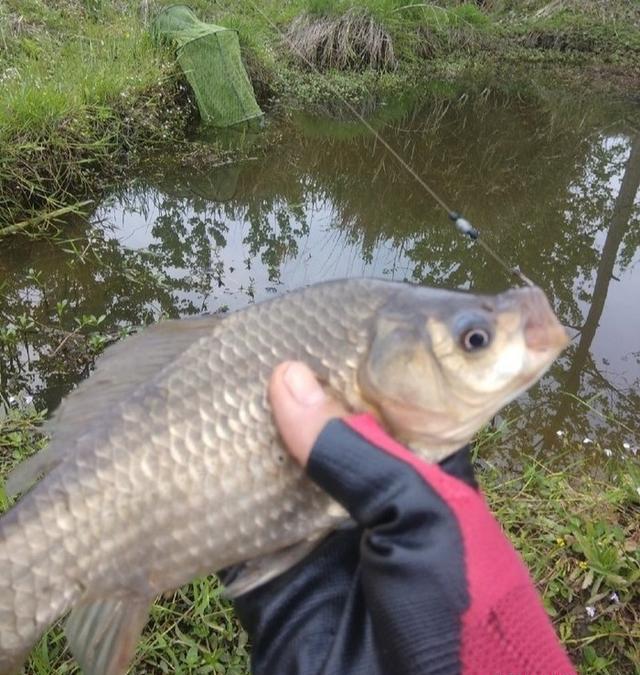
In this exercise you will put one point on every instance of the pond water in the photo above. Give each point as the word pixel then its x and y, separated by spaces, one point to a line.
pixel 552 187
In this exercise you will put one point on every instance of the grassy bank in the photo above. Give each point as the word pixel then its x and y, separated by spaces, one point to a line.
pixel 84 92
pixel 578 533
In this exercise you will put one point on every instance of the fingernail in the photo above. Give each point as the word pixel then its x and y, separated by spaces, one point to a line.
pixel 302 385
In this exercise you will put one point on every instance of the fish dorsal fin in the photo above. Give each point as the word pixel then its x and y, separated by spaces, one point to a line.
pixel 103 635
pixel 123 368
pixel 119 372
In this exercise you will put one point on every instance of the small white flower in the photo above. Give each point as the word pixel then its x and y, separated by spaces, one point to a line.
pixel 590 610
pixel 587 440
pixel 614 597
pixel 626 445
pixel 12 400
pixel 607 452
pixel 634 451
pixel 559 432
pixel 28 399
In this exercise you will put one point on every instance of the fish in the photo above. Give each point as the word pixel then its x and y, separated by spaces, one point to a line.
pixel 165 464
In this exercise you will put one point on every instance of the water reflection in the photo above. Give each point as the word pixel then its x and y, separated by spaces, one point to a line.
pixel 555 190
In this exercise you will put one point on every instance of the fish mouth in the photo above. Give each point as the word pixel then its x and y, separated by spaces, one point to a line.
pixel 542 334
pixel 542 331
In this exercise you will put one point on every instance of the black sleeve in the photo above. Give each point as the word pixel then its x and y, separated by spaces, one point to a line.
pixel 381 597
pixel 294 620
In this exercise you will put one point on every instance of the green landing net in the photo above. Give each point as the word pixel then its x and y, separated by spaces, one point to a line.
pixel 210 58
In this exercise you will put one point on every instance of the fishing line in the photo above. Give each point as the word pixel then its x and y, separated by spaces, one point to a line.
pixel 461 223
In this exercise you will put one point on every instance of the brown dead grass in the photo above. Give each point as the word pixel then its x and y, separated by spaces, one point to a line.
pixel 352 41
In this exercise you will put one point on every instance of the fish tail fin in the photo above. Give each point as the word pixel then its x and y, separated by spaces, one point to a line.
pixel 103 634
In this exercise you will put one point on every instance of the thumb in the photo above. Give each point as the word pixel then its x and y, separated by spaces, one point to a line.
pixel 300 407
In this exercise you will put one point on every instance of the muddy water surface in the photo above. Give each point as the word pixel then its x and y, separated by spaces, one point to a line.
pixel 554 188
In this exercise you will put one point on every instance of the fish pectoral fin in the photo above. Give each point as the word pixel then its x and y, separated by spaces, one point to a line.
pixel 258 571
pixel 103 634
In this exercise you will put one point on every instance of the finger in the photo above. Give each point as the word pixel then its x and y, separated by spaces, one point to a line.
pixel 301 407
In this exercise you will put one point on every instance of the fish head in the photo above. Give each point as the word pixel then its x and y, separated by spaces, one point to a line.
pixel 442 363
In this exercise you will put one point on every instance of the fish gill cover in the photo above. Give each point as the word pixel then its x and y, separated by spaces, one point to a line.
pixel 209 56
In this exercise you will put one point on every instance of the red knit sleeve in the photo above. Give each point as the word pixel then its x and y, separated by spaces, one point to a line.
pixel 505 629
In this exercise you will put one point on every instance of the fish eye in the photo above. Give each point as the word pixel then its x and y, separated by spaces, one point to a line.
pixel 474 339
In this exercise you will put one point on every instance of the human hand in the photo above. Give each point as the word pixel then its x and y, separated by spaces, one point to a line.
pixel 301 407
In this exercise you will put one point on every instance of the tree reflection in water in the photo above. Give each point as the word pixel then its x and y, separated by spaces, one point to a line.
pixel 554 189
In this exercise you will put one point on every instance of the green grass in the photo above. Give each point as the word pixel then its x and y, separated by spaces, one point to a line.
pixel 62 56
pixel 83 89
pixel 577 528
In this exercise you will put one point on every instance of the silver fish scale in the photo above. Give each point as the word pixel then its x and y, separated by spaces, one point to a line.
pixel 187 476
